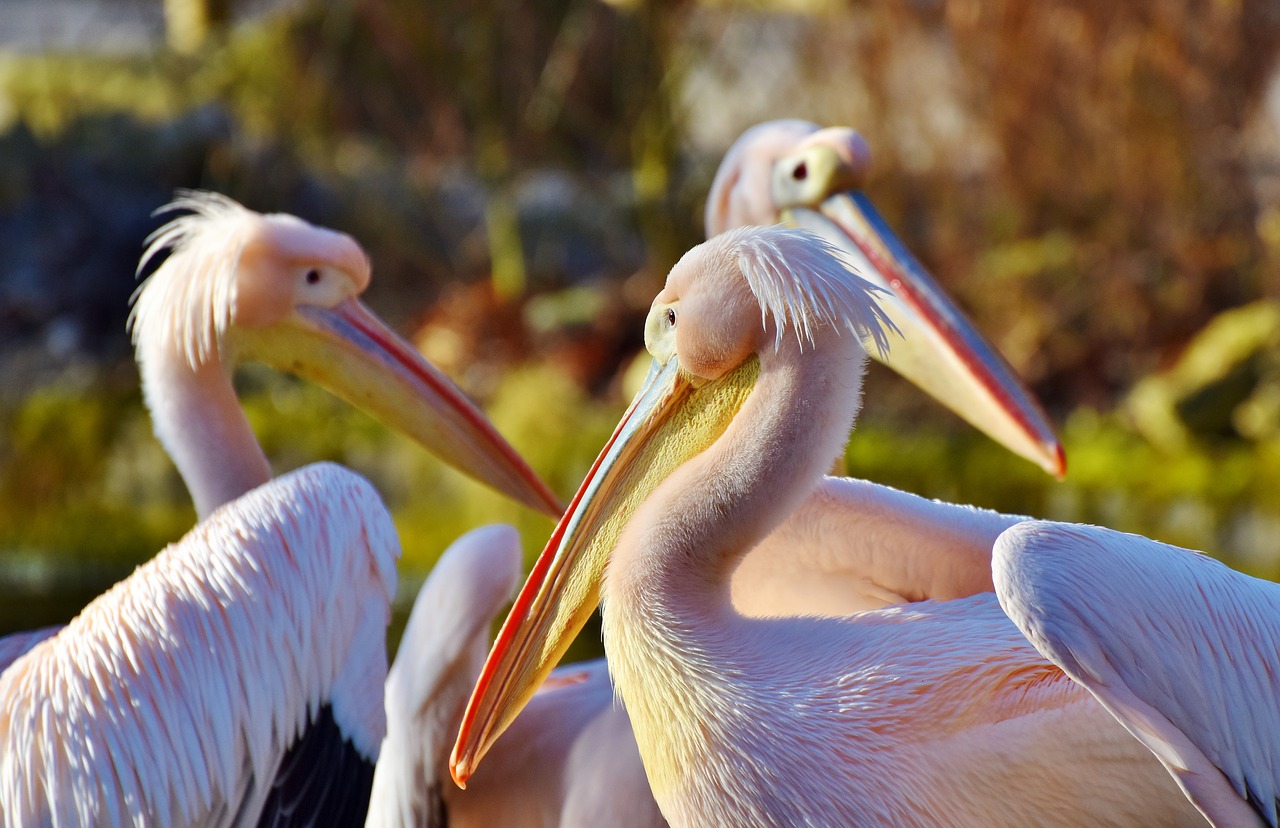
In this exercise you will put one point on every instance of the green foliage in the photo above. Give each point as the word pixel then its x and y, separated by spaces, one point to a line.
pixel 62 483
pixel 1224 384
pixel 1218 498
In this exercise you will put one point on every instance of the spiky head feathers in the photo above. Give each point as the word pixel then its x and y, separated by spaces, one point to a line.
pixel 794 280
pixel 229 265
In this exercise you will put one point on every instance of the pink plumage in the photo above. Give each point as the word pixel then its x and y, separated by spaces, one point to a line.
pixel 172 698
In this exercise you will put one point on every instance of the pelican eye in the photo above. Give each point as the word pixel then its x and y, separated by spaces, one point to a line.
pixel 671 317
pixel 313 277
pixel 801 172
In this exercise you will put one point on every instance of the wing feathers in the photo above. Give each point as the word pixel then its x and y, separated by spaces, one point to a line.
pixel 170 696
pixel 323 780
pixel 1183 650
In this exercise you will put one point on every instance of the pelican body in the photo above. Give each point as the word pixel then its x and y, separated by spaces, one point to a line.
pixel 204 689
pixel 933 713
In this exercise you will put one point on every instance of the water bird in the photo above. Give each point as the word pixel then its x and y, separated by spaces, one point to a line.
pixel 804 567
pixel 238 676
pixel 938 712
pixel 796 172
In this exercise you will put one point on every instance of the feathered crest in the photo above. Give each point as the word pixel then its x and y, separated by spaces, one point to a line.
pixel 190 298
pixel 804 282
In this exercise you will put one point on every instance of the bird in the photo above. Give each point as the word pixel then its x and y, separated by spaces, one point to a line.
pixel 241 285
pixel 794 571
pixel 570 760
pixel 1183 650
pixel 796 172
pixel 937 712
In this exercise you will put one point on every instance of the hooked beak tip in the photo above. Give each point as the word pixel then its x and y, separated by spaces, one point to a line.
pixel 1058 463
pixel 459 771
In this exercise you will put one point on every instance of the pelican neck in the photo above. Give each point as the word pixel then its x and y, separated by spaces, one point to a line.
pixel 668 617
pixel 197 417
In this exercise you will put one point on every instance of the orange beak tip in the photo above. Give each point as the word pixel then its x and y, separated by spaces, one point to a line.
pixel 1059 469
pixel 459 773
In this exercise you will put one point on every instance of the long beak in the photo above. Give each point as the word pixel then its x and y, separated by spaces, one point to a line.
pixel 352 353
pixel 669 421
pixel 940 350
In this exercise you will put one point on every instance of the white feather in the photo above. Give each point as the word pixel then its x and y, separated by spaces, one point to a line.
pixel 190 299
pixel 440 655
pixel 803 282
pixel 171 695
pixel 1183 650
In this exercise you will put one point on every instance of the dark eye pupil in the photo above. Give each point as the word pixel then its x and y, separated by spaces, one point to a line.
pixel 671 317
pixel 313 277
pixel 801 172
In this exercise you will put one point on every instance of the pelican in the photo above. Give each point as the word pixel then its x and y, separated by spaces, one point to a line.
pixel 797 172
pixel 569 760
pixel 802 568
pixel 238 676
pixel 1181 649
pixel 932 713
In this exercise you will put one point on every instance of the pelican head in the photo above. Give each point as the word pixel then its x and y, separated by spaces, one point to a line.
pixel 797 172
pixel 750 304
pixel 242 286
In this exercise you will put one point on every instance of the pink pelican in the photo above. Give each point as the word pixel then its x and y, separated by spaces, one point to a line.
pixel 238 676
pixel 1183 651
pixel 934 713
pixel 800 173
pixel 802 568
pixel 569 760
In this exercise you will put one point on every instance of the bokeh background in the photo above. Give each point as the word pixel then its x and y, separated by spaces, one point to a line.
pixel 1098 183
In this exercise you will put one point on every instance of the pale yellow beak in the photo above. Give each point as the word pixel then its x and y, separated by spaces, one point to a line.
pixel 940 350
pixel 353 354
pixel 671 419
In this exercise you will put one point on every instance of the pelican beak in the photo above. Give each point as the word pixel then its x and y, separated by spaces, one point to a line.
pixel 672 418
pixel 940 351
pixel 352 353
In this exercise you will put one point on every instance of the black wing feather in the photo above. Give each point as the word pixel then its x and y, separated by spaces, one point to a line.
pixel 322 781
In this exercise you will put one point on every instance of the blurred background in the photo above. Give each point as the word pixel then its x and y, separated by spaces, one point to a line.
pixel 1098 183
